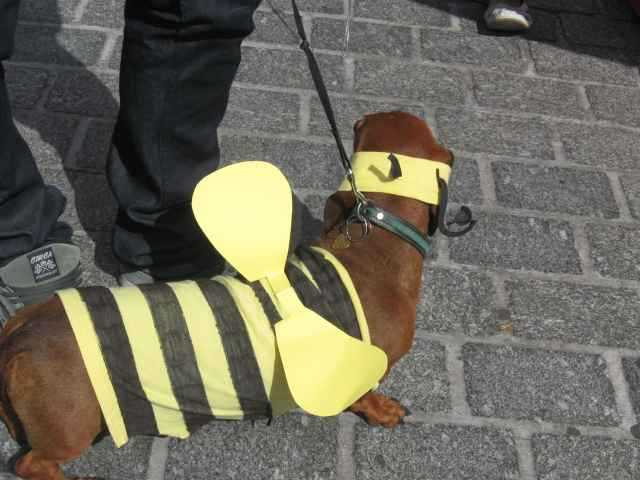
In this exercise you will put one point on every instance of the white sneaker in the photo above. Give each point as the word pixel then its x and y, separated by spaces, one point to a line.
pixel 504 17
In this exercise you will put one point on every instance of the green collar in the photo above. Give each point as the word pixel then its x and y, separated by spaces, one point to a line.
pixel 399 227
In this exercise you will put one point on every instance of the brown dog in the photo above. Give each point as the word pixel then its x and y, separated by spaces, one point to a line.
pixel 46 398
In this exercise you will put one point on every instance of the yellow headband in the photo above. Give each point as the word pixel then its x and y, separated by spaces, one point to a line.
pixel 418 180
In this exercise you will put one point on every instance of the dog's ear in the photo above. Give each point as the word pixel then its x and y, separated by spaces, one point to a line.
pixel 336 210
pixel 434 210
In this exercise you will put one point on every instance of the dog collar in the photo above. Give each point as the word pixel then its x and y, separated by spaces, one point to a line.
pixel 374 172
pixel 399 227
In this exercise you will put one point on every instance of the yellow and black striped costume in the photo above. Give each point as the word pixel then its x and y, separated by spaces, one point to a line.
pixel 164 359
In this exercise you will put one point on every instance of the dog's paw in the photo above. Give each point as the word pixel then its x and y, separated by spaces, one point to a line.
pixel 378 409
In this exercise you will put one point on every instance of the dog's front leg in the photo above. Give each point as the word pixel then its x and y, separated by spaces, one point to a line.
pixel 378 409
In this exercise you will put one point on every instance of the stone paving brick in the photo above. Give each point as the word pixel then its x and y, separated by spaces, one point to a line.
pixel 435 452
pixel 631 367
pixel 602 147
pixel 92 156
pixel 8 447
pixel 364 37
pixel 529 95
pixel 583 6
pixel 551 189
pixel 621 261
pixel 287 68
pixel 50 12
pixel 618 9
pixel 473 131
pixel 616 104
pixel 586 458
pixel 104 460
pixel 594 31
pixel 95 206
pixel 413 81
pixel 465 182
pixel 269 29
pixel 499 53
pixel 306 447
pixel 99 266
pixel 306 164
pixel 457 302
pixel 523 383
pixel 116 56
pixel 349 110
pixel 314 6
pixel 260 110
pixel 419 380
pixel 432 13
pixel 503 241
pixel 55 46
pixel 586 63
pixel 104 13
pixel 84 93
pixel 25 85
pixel 572 313
pixel 631 188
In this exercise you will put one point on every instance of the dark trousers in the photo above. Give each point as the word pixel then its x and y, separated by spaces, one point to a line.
pixel 178 62
pixel 29 209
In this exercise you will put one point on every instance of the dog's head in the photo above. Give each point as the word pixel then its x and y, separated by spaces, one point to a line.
pixel 399 133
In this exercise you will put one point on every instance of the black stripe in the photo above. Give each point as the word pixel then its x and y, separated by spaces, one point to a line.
pixel 118 356
pixel 332 288
pixel 310 296
pixel 267 304
pixel 243 365
pixel 179 355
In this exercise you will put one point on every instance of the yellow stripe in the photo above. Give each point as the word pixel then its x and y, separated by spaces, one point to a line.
pixel 89 345
pixel 353 293
pixel 258 327
pixel 150 363
pixel 210 355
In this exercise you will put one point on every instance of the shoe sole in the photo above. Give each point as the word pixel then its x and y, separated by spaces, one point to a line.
pixel 507 21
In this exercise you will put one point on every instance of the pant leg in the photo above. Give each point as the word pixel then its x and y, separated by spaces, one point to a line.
pixel 178 62
pixel 29 209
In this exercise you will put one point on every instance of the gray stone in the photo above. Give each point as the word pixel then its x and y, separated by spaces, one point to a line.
pixel 631 188
pixel 631 367
pixel 586 458
pixel 116 56
pixel 432 13
pixel 95 205
pixel 563 190
pixel 508 242
pixel 25 85
pixel 583 6
pixel 92 155
pixel 592 31
pixel 349 110
pixel 584 63
pixel 364 37
pixel 435 452
pixel 457 302
pixel 419 380
pixel 306 164
pixel 465 182
pixel 313 6
pixel 498 53
pixel 528 95
pixel 261 110
pixel 106 461
pixel 523 383
pixel 473 131
pixel 573 313
pixel 105 13
pixel 52 45
pixel 621 261
pixel 50 12
pixel 600 146
pixel 293 447
pixel 392 78
pixel 84 93
pixel 99 266
pixel 288 68
pixel 269 29
pixel 616 104
pixel 8 448
pixel 618 9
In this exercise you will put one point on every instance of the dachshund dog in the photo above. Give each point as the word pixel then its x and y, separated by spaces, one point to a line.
pixel 46 397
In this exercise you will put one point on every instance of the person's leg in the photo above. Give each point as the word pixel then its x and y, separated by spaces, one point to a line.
pixel 508 15
pixel 178 62
pixel 29 209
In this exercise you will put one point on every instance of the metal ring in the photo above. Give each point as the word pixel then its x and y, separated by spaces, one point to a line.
pixel 365 228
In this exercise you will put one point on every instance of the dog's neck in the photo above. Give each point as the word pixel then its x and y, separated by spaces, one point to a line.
pixel 385 269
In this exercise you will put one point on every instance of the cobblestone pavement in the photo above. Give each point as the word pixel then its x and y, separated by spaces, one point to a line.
pixel 527 359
